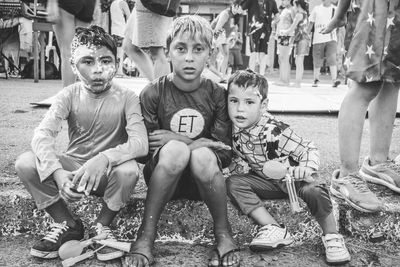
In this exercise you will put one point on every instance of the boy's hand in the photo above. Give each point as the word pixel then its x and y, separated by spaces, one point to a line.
pixel 64 183
pixel 89 175
pixel 301 173
pixel 159 138
pixel 205 142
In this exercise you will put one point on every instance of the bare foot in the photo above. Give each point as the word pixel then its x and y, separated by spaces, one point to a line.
pixel 226 251
pixel 140 255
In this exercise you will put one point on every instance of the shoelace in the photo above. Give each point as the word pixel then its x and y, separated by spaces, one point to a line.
pixel 334 242
pixel 358 183
pixel 56 230
pixel 266 232
pixel 101 229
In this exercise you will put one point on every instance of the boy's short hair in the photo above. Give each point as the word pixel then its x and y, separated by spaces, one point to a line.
pixel 247 78
pixel 196 26
pixel 93 35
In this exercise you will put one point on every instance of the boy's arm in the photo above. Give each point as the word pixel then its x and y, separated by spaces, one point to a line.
pixel 43 141
pixel 311 19
pixel 302 151
pixel 149 101
pixel 221 131
pixel 137 143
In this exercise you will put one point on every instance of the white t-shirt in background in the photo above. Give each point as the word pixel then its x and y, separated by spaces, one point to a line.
pixel 321 16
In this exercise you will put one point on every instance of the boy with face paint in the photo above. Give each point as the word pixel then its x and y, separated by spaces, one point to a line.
pixel 106 134
pixel 258 138
pixel 189 137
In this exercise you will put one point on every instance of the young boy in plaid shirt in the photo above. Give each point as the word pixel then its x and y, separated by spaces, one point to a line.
pixel 258 138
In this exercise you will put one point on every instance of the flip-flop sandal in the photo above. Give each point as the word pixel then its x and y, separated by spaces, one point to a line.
pixel 216 252
pixel 221 259
pixel 150 259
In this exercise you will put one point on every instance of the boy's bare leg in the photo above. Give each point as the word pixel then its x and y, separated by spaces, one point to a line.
pixel 351 122
pixel 212 188
pixel 173 159
pixel 262 217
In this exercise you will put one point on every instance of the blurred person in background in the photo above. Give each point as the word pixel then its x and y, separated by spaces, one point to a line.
pixel 66 16
pixel 147 29
pixel 285 34
pixel 301 38
pixel 120 12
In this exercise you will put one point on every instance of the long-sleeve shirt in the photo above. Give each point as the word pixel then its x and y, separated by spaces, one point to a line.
pixel 270 139
pixel 195 114
pixel 110 123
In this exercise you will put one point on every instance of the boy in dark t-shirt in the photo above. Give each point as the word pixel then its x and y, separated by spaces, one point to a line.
pixel 189 140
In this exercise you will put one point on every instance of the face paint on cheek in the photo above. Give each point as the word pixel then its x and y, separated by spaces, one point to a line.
pixel 108 72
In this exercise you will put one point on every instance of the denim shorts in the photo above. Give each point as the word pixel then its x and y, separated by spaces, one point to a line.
pixel 324 51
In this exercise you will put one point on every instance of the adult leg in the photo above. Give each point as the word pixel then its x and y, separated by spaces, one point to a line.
pixel 224 63
pixel 263 63
pixel 252 61
pixel 351 123
pixel 212 188
pixel 161 64
pixel 64 31
pixel 285 66
pixel 299 69
pixel 173 159
pixel 382 112
pixel 142 60
pixel 120 54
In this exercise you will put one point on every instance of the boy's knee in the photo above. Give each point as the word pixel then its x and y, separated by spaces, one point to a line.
pixel 314 190
pixel 127 173
pixel 174 155
pixel 25 164
pixel 233 185
pixel 203 159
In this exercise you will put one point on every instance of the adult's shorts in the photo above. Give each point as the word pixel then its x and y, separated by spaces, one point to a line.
pixel 324 51
pixel 146 28
pixel 259 42
pixel 81 9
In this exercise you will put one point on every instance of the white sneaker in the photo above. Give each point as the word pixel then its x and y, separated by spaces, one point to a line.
pixel 335 249
pixel 106 253
pixel 271 236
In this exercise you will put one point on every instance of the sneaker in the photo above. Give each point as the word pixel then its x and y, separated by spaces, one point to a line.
pixel 47 247
pixel 315 83
pixel 335 249
pixel 354 190
pixel 336 83
pixel 386 173
pixel 106 253
pixel 271 236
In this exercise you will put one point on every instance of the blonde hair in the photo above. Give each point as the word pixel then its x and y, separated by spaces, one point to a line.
pixel 196 26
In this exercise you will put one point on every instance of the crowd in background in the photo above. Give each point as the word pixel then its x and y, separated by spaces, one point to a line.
pixel 263 35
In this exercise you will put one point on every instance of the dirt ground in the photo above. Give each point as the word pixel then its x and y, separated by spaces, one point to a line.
pixel 18 120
